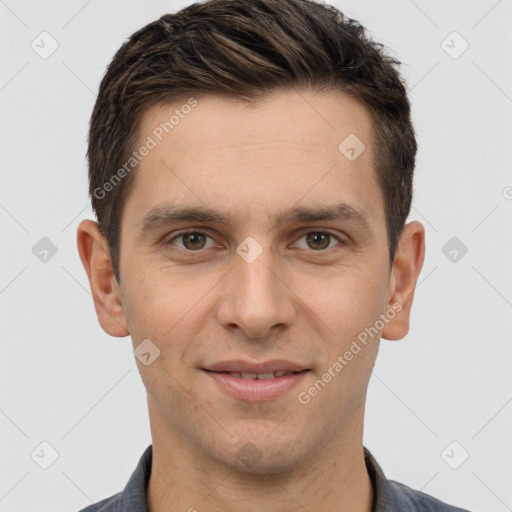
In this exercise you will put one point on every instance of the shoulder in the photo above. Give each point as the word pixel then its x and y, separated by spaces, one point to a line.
pixel 112 504
pixel 393 496
pixel 133 497
pixel 411 500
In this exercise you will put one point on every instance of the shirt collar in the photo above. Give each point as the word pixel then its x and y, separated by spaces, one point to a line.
pixel 386 496
pixel 134 494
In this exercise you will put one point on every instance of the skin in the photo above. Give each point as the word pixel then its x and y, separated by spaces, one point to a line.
pixel 299 300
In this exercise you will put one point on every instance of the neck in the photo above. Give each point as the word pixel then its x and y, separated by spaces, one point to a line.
pixel 185 478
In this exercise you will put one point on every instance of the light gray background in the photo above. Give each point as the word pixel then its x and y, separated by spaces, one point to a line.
pixel 64 381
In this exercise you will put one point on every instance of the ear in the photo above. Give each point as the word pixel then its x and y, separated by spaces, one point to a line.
pixel 105 290
pixel 404 276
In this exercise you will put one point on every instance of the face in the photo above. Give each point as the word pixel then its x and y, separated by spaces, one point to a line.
pixel 251 243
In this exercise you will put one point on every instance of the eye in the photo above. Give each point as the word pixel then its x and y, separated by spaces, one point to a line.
pixel 196 240
pixel 191 241
pixel 318 240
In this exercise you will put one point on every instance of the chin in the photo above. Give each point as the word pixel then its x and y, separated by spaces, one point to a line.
pixel 258 454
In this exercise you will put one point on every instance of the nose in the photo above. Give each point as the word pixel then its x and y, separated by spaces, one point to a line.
pixel 255 299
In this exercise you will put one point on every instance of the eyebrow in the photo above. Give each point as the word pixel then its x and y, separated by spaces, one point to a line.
pixel 172 214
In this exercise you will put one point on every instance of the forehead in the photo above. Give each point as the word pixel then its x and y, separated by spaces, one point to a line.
pixel 292 147
pixel 206 121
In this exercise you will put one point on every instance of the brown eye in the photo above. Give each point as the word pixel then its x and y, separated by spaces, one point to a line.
pixel 318 241
pixel 191 241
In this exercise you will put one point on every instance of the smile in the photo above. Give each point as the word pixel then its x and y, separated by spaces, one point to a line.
pixel 255 387
pixel 259 376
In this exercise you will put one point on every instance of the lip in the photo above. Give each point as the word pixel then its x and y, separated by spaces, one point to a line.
pixel 255 390
pixel 239 365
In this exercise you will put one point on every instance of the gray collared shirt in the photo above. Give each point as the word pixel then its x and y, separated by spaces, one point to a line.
pixel 390 496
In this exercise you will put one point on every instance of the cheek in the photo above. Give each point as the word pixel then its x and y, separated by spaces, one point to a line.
pixel 164 303
pixel 354 312
pixel 349 301
pixel 150 305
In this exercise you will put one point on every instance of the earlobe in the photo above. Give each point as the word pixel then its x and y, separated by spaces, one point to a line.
pixel 98 266
pixel 406 268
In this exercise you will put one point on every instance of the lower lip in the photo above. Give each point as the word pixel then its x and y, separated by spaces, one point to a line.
pixel 255 390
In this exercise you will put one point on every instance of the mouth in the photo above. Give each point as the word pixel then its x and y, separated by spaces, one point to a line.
pixel 254 368
pixel 255 383
pixel 259 376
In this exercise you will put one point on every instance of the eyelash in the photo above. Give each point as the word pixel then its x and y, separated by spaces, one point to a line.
pixel 195 232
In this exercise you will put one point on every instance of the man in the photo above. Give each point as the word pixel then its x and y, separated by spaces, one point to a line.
pixel 250 166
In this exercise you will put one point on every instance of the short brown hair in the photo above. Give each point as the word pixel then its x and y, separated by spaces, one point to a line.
pixel 245 49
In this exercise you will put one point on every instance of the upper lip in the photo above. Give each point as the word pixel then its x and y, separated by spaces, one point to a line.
pixel 241 366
